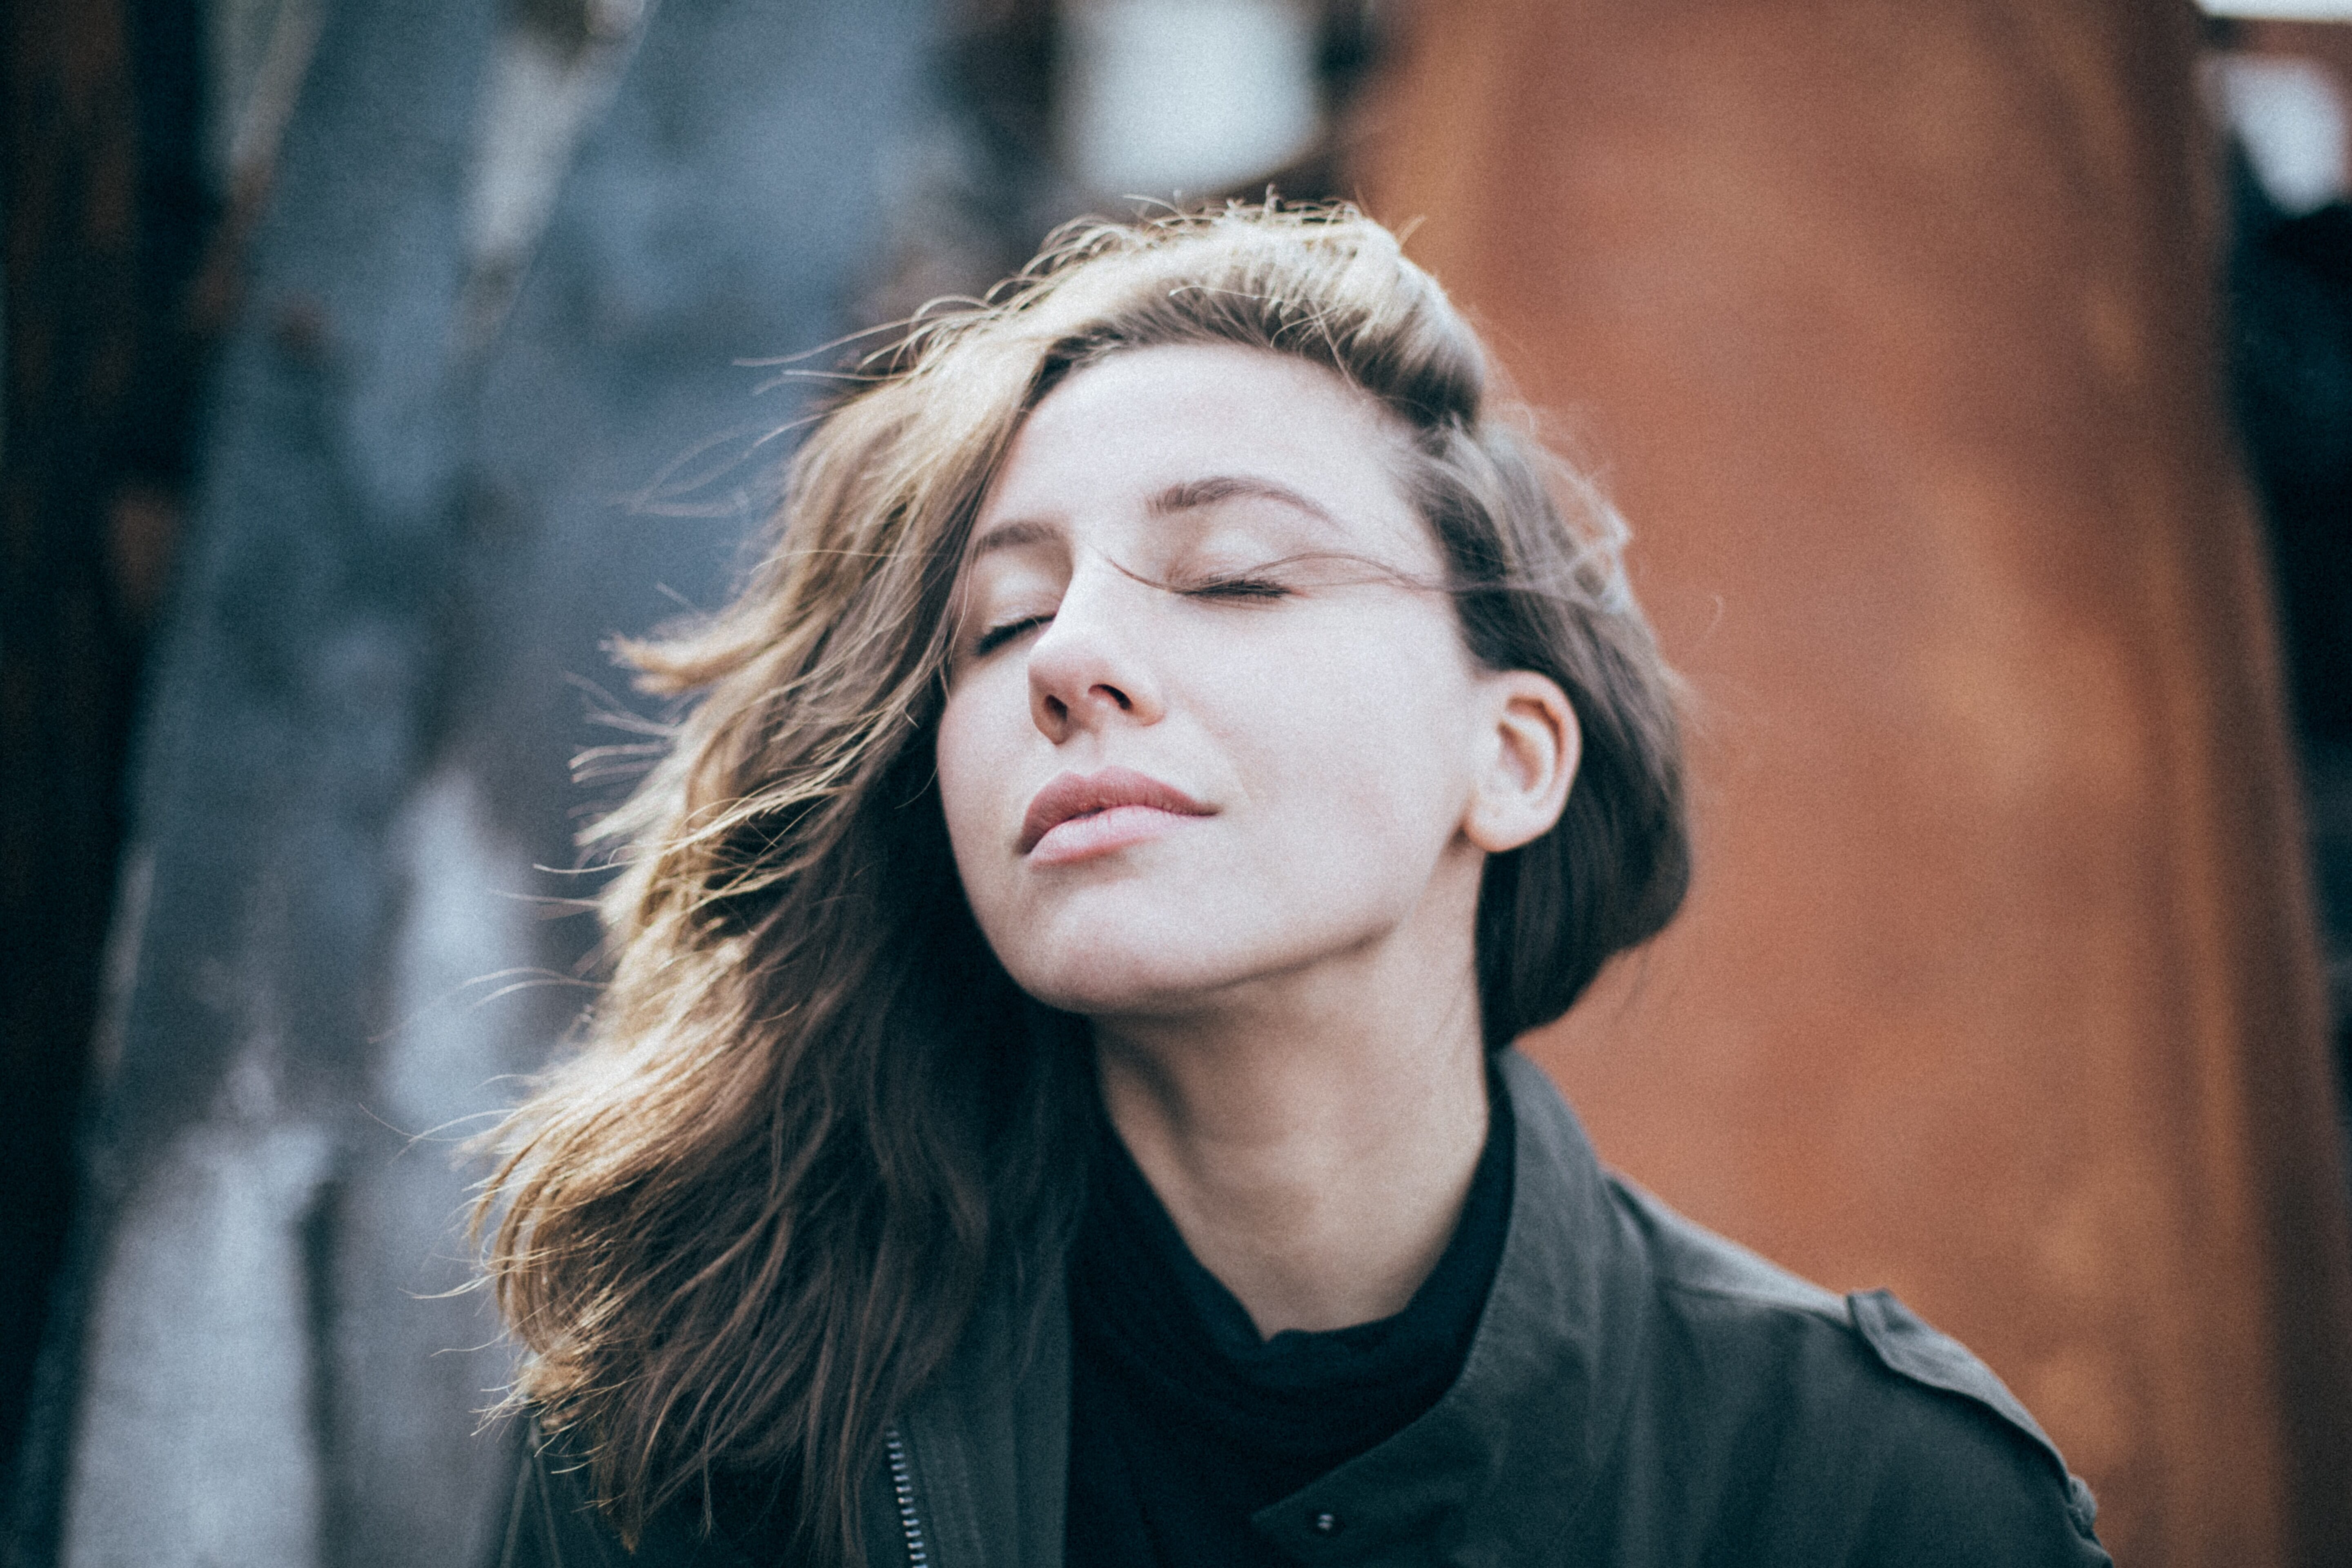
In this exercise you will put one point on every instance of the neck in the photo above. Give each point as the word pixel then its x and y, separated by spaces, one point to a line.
pixel 1315 1160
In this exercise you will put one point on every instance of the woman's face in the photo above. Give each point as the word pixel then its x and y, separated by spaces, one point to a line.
pixel 1210 724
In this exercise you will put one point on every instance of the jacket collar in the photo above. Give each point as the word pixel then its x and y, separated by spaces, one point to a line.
pixel 1496 1469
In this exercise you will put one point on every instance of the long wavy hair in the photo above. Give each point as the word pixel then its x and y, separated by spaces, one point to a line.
pixel 811 1120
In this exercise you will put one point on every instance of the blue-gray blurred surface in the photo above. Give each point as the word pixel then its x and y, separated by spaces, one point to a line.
pixel 421 517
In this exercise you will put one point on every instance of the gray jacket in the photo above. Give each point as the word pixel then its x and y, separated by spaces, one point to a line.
pixel 1639 1393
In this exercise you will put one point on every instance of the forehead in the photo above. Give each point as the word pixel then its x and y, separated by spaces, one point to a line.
pixel 1141 421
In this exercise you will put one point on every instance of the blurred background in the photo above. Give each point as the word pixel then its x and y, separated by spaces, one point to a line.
pixel 1977 374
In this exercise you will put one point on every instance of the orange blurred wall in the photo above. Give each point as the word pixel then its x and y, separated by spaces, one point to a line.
pixel 1891 327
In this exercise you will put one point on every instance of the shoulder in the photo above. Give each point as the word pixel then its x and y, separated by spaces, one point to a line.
pixel 1838 1429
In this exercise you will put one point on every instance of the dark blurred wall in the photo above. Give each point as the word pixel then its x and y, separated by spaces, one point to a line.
pixel 71 199
pixel 1894 327
pixel 106 219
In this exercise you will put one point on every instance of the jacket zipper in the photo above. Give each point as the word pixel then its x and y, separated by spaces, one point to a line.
pixel 902 1487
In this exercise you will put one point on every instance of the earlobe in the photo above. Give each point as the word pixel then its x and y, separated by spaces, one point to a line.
pixel 1531 752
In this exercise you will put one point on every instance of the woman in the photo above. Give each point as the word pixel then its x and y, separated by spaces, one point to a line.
pixel 1054 1102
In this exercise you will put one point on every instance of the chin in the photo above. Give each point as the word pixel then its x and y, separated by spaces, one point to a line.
pixel 1110 979
pixel 1103 986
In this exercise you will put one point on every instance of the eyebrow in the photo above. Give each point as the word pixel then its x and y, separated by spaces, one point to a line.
pixel 1186 495
pixel 1013 535
pixel 1192 494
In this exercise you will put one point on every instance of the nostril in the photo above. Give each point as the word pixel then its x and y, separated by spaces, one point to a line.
pixel 1118 696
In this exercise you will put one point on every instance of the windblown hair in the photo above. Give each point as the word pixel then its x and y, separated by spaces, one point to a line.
pixel 812 1117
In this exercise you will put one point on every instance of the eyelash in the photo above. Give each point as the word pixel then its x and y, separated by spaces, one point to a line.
pixel 1237 588
pixel 995 638
pixel 1246 588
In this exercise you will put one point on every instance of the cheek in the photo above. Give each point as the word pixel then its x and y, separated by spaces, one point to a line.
pixel 1368 747
pixel 971 755
pixel 1388 710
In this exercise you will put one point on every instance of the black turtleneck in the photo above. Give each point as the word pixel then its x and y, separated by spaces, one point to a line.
pixel 1184 1422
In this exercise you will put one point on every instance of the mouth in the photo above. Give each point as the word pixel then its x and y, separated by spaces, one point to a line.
pixel 1080 814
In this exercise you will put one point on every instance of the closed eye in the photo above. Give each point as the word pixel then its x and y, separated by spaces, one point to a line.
pixel 1225 588
pixel 996 637
pixel 1237 588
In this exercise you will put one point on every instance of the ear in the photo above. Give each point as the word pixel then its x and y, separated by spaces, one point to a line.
pixel 1531 746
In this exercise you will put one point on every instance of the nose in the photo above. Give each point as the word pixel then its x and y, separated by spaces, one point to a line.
pixel 1089 670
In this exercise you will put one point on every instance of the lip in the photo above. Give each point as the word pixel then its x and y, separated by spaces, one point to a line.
pixel 1077 815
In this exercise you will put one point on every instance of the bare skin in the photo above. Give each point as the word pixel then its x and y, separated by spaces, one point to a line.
pixel 1315 1165
pixel 1221 777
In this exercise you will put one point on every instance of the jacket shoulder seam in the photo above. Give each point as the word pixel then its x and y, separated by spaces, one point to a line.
pixel 1907 1346
pixel 1830 1311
